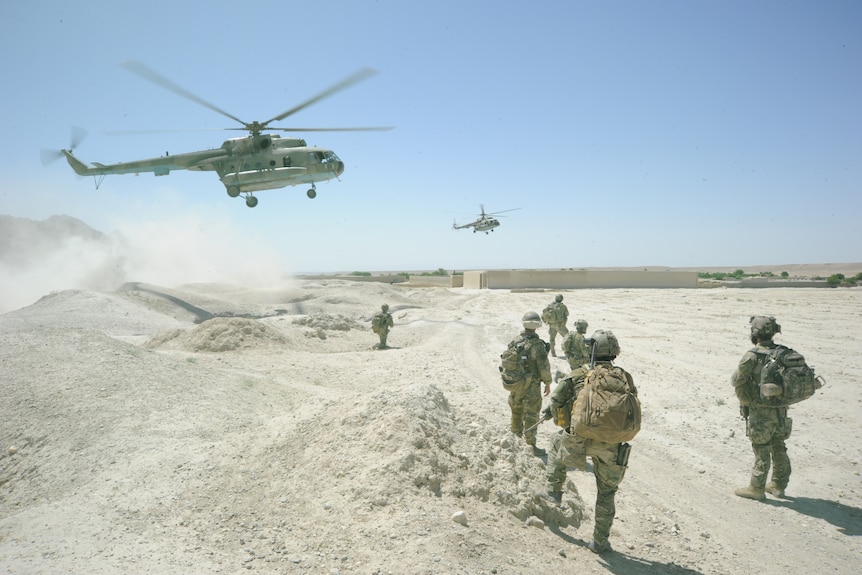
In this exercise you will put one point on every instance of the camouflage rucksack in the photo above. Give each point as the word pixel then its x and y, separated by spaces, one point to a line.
pixel 515 361
pixel 786 379
pixel 607 408
pixel 552 313
pixel 378 323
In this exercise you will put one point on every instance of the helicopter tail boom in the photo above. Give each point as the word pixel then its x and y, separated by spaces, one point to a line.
pixel 80 167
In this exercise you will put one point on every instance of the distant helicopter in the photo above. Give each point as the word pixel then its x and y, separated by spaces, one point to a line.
pixel 485 223
pixel 244 165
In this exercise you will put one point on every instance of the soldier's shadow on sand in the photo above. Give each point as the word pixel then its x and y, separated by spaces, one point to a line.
pixel 847 519
pixel 622 564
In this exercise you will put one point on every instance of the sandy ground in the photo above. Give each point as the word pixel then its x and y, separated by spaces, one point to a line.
pixel 136 439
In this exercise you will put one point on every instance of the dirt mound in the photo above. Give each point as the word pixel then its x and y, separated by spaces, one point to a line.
pixel 218 335
pixel 107 312
pixel 417 442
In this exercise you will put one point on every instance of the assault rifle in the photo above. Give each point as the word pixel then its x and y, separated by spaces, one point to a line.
pixel 546 415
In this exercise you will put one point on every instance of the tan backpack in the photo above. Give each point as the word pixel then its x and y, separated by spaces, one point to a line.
pixel 607 408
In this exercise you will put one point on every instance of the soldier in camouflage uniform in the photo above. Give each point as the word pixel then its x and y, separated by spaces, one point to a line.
pixel 574 346
pixel 569 449
pixel 525 396
pixel 558 323
pixel 766 427
pixel 381 323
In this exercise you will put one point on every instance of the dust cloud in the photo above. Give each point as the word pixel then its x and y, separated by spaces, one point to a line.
pixel 62 252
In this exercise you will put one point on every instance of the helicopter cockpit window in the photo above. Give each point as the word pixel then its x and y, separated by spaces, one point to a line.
pixel 326 157
pixel 286 161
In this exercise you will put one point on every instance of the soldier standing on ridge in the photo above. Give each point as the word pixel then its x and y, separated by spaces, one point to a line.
pixel 381 323
pixel 556 314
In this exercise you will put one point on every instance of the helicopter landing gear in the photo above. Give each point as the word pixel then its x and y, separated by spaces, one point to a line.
pixel 312 192
pixel 250 201
pixel 233 191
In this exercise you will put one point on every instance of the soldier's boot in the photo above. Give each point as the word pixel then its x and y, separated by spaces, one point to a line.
pixel 775 490
pixel 597 548
pixel 751 492
pixel 555 497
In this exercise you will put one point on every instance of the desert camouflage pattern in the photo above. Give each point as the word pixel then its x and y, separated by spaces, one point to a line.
pixel 576 350
pixel 556 327
pixel 385 324
pixel 525 396
pixel 767 427
pixel 569 450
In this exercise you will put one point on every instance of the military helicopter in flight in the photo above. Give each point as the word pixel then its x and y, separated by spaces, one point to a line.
pixel 485 222
pixel 244 165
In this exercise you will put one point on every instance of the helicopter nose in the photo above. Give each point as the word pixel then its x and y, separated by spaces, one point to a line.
pixel 339 168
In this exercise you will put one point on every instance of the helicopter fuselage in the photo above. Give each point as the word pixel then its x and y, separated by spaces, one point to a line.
pixel 268 162
pixel 244 165
pixel 483 224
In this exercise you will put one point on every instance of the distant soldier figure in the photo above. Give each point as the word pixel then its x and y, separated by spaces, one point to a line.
pixel 556 314
pixel 524 368
pixel 381 323
pixel 575 347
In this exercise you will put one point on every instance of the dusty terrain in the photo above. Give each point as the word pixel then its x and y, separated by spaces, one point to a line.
pixel 136 438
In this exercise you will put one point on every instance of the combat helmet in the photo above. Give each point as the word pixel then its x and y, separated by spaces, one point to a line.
pixel 559 298
pixel 385 307
pixel 763 327
pixel 581 325
pixel 531 320
pixel 604 344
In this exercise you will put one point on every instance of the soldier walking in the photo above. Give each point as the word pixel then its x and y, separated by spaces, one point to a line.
pixel 524 384
pixel 568 448
pixel 575 347
pixel 381 323
pixel 556 314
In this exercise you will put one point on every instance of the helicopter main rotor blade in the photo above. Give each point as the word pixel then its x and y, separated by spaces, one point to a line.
pixel 167 131
pixel 346 83
pixel 364 129
pixel 136 67
pixel 502 212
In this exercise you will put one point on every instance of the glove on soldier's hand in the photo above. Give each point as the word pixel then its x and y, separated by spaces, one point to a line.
pixel 546 414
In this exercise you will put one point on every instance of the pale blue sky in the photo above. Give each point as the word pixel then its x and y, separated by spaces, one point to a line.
pixel 677 133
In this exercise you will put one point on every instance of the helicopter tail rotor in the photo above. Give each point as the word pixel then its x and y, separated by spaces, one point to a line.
pixel 77 136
